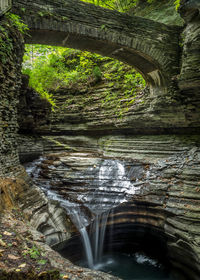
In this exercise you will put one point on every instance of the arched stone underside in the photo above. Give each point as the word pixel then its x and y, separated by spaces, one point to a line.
pixel 151 47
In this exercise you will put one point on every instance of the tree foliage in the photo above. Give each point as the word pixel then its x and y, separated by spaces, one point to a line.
pixel 51 68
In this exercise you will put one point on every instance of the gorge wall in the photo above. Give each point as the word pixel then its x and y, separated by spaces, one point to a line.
pixel 12 174
pixel 154 135
pixel 11 59
pixel 14 181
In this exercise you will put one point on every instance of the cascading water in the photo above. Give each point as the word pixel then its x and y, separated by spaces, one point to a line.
pixel 89 189
pixel 111 179
pixel 87 247
pixel 97 235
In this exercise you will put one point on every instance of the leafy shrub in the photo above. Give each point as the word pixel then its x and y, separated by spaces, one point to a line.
pixel 51 68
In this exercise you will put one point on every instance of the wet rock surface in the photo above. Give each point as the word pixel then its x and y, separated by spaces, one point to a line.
pixel 24 255
pixel 161 172
pixel 46 216
pixel 153 188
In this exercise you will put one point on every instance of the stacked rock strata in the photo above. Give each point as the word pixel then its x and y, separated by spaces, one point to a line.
pixel 11 53
pixel 151 181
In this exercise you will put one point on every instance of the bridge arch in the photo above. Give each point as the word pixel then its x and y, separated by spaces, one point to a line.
pixel 151 48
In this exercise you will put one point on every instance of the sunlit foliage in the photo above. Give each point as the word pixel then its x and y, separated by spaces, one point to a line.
pixel 119 5
pixel 177 4
pixel 51 68
pixel 123 5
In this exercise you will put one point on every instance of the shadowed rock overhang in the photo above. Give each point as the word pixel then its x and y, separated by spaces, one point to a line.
pixel 151 47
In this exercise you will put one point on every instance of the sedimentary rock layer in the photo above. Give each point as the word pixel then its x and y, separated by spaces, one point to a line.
pixel 156 178
pixel 10 79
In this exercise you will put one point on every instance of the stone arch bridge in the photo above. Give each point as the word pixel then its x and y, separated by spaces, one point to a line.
pixel 151 47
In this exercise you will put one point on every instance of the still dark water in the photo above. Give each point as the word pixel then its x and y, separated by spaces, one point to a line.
pixel 132 267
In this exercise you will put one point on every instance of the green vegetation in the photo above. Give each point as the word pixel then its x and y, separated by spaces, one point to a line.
pixel 177 4
pixel 17 22
pixel 42 262
pixel 33 252
pixel 53 68
pixel 119 5
pixel 6 43
pixel 122 5
pixel 125 84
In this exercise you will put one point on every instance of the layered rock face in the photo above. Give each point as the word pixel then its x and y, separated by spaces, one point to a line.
pixel 151 182
pixel 14 181
pixel 189 78
pixel 33 111
pixel 10 68
pixel 93 156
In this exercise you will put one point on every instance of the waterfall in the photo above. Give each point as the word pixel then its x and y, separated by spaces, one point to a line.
pixel 85 237
pixel 106 185
pixel 97 234
pixel 87 247
pixel 93 243
pixel 102 230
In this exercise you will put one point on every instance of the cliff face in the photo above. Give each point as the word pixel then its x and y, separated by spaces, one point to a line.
pixel 86 132
pixel 13 177
pixel 189 79
pixel 11 47
pixel 156 178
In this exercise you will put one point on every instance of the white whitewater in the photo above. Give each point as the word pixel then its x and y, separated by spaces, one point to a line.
pixel 93 243
pixel 87 247
pixel 85 237
pixel 97 234
pixel 110 187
